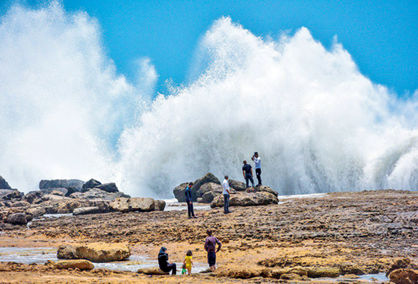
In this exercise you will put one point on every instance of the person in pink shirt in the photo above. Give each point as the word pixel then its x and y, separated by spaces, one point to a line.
pixel 210 247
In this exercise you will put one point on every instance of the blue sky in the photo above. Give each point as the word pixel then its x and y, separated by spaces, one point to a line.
pixel 381 36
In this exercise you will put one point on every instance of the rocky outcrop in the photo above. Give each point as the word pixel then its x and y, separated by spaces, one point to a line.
pixel 91 183
pixel 263 196
pixel 70 184
pixel 36 211
pixel 55 190
pixel 179 191
pixel 4 184
pixel 17 219
pixel 133 204
pixel 81 264
pixel 159 205
pixel 96 252
pixel 10 194
pixel 87 210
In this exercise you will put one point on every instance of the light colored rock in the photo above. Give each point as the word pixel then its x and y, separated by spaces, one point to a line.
pixel 263 188
pixel 237 185
pixel 152 271
pixel 81 264
pixel 36 211
pixel 20 203
pixel 87 210
pixel 246 199
pixel 17 219
pixel 133 204
pixel 330 272
pixel 96 252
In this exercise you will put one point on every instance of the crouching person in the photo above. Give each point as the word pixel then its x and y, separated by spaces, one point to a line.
pixel 163 262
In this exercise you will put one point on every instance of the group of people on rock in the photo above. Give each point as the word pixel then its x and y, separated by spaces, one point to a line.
pixel 212 246
pixel 247 172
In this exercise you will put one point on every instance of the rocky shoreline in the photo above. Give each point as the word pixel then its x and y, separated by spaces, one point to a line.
pixel 335 236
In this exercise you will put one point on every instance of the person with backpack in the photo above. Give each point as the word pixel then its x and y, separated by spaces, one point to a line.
pixel 189 201
pixel 163 262
pixel 210 247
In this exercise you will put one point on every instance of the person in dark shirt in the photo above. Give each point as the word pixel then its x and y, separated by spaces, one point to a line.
pixel 189 200
pixel 163 262
pixel 210 247
pixel 247 172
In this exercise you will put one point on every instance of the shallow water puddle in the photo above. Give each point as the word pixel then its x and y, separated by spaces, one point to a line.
pixel 42 255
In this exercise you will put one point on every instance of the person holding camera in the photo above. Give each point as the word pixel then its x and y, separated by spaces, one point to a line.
pixel 257 163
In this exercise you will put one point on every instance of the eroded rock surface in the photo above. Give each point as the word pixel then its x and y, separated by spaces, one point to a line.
pixel 96 252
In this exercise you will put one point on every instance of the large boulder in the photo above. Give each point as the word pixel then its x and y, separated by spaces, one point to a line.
pixel 96 193
pixel 237 185
pixel 71 184
pixel 81 264
pixel 4 184
pixel 10 194
pixel 133 204
pixel 17 219
pixel 404 276
pixel 246 199
pixel 209 177
pixel 263 188
pixel 108 187
pixel 179 192
pixel 91 183
pixel 159 205
pixel 209 187
pixel 96 252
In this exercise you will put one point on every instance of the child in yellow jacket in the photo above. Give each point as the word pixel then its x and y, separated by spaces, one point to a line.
pixel 188 263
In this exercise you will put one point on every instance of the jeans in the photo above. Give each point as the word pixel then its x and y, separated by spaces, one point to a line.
pixel 249 178
pixel 171 267
pixel 258 173
pixel 226 203
pixel 190 210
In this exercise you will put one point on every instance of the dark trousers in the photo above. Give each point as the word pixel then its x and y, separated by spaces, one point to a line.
pixel 172 267
pixel 226 203
pixel 258 173
pixel 249 178
pixel 190 210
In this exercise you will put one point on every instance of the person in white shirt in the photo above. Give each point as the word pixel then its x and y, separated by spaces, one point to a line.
pixel 257 163
pixel 225 185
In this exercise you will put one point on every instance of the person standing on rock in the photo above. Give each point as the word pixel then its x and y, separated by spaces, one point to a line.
pixel 163 262
pixel 257 163
pixel 225 185
pixel 247 172
pixel 210 247
pixel 189 200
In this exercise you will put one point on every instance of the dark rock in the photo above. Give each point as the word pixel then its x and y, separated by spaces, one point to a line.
pixel 20 203
pixel 63 190
pixel 17 219
pixel 209 177
pixel 33 195
pixel 209 187
pixel 92 183
pixel 237 185
pixel 4 184
pixel 108 187
pixel 159 205
pixel 404 276
pixel 10 194
pixel 179 192
pixel 208 196
pixel 180 189
pixel 71 184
